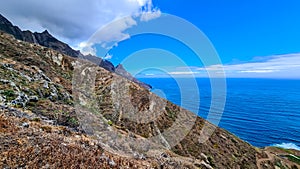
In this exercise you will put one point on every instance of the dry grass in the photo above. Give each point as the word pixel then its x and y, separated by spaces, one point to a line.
pixel 47 146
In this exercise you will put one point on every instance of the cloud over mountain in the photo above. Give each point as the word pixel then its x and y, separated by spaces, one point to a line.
pixel 72 21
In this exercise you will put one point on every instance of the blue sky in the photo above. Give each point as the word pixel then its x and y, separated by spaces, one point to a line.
pixel 257 38
pixel 241 30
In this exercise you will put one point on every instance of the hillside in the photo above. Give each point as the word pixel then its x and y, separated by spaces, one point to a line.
pixel 48 121
pixel 47 40
pixel 44 38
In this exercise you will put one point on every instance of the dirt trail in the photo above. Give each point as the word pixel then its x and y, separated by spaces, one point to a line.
pixel 259 161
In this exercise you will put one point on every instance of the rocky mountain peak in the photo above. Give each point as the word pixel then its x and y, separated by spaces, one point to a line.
pixel 47 120
pixel 120 66
pixel 46 32
pixel 47 36
pixel 120 70
pixel 46 39
pixel 7 26
pixel 38 117
pixel 4 21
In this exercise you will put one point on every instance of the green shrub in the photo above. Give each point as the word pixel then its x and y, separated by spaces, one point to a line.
pixel 73 120
pixel 36 119
pixel 109 122
pixel 211 161
pixel 293 158
pixel 9 94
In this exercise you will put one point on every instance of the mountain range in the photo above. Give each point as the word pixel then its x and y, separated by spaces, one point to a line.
pixel 61 111
pixel 47 40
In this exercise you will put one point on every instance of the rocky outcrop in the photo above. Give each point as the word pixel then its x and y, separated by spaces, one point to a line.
pixel 37 108
pixel 120 70
pixel 8 27
pixel 52 86
pixel 101 62
pixel 44 38
pixel 47 40
pixel 59 111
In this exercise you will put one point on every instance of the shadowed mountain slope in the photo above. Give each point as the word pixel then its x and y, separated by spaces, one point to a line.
pixel 58 111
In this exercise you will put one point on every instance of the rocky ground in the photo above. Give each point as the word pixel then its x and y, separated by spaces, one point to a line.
pixel 28 141
pixel 47 120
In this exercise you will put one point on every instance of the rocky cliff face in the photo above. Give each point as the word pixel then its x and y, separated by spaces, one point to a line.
pixel 8 27
pixel 57 111
pixel 120 70
pixel 47 40
pixel 44 38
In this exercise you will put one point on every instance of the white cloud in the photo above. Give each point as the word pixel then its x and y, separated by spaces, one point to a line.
pixel 274 66
pixel 146 16
pixel 182 73
pixel 74 21
pixel 149 12
pixel 258 71
pixel 86 49
pixel 112 33
pixel 280 66
pixel 108 56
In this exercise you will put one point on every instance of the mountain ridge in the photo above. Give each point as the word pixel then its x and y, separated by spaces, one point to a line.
pixel 41 128
pixel 46 39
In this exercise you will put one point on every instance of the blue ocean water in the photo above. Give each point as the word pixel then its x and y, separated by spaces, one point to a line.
pixel 262 112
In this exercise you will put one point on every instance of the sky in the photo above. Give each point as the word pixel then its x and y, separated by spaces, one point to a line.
pixel 257 39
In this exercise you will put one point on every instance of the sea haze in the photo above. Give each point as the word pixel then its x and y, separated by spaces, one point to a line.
pixel 263 112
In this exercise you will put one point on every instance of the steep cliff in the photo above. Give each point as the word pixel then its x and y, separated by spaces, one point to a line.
pixel 47 40
pixel 57 111
pixel 120 70
pixel 44 38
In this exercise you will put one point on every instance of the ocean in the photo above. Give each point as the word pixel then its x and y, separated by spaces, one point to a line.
pixel 263 112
